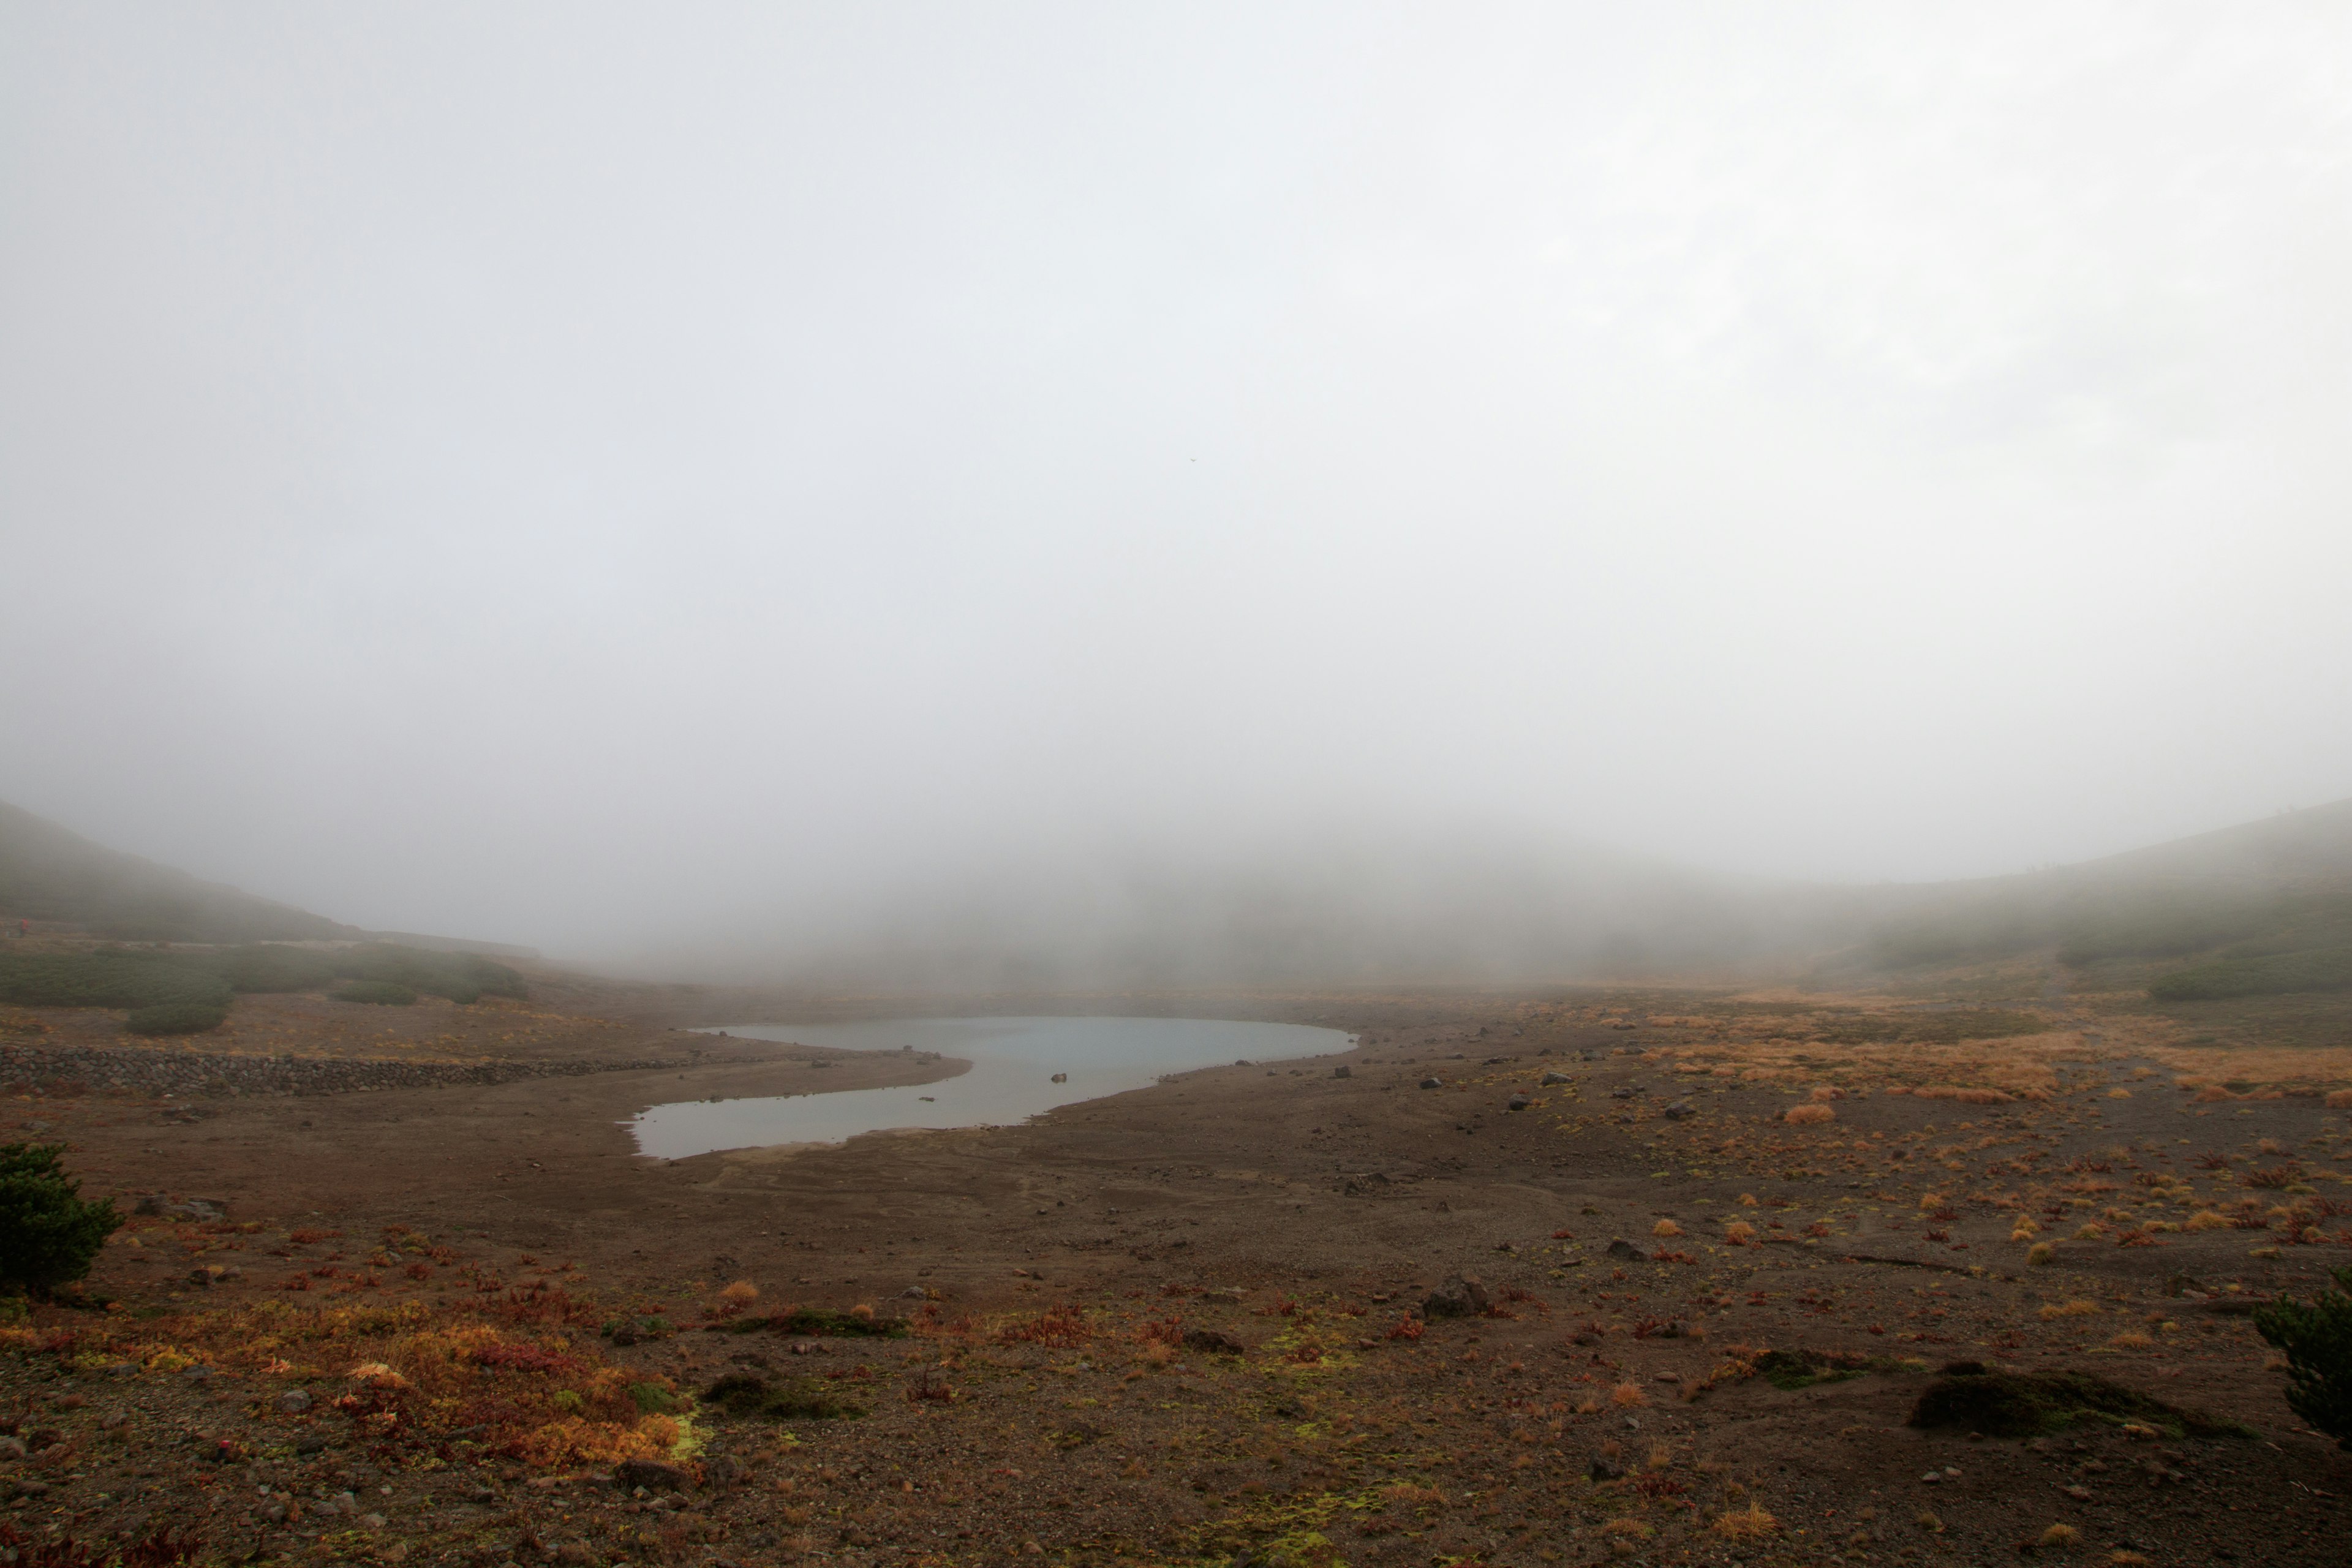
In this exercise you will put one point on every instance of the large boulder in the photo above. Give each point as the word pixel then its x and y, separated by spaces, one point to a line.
pixel 1460 1297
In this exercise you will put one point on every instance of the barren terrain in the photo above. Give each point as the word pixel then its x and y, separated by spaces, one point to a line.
pixel 1249 1315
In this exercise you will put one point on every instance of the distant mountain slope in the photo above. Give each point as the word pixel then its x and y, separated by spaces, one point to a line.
pixel 2272 893
pixel 50 874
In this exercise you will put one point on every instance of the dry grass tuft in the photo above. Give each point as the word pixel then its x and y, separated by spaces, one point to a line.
pixel 1665 1228
pixel 2061 1537
pixel 1626 1396
pixel 1750 1523
pixel 1804 1115
pixel 2042 1254
pixel 2078 1308
pixel 1739 1233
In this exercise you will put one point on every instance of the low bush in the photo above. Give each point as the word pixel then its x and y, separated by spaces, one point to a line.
pixel 379 993
pixel 141 977
pixel 803 1399
pixel 269 967
pixel 815 1321
pixel 48 1236
pixel 2316 1339
pixel 461 977
pixel 2022 1404
pixel 176 1019
pixel 2268 974
pixel 106 977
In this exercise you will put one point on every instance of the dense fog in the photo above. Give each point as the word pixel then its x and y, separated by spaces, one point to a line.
pixel 1034 494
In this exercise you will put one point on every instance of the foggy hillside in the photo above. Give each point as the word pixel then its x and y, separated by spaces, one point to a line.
pixel 1464 910
pixel 1475 910
pixel 49 874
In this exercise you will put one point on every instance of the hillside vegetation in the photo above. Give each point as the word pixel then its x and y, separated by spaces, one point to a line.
pixel 2262 909
pixel 51 875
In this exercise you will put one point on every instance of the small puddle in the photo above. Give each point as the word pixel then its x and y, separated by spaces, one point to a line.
pixel 1014 1061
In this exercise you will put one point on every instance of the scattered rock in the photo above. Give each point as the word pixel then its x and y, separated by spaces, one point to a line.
pixel 294 1401
pixel 1550 1079
pixel 1603 1469
pixel 1620 1094
pixel 1341 1072
pixel 1677 1110
pixel 1433 1083
pixel 1623 1248
pixel 1460 1297
pixel 1211 1342
pixel 1521 1101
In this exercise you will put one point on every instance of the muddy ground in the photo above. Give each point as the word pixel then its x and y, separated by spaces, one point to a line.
pixel 1196 1323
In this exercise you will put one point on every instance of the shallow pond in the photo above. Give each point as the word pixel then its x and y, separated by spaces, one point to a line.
pixel 1014 1061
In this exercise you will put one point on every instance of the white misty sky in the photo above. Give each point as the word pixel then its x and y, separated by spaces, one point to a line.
pixel 542 471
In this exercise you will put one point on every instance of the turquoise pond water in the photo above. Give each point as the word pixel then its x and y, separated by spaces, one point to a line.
pixel 1014 1061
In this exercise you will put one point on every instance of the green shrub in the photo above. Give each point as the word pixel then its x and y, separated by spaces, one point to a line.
pixel 2316 1339
pixel 460 976
pixel 803 1399
pixel 136 977
pixel 2020 1403
pixel 106 977
pixel 49 1236
pixel 817 1321
pixel 382 992
pixel 655 1400
pixel 2269 975
pixel 176 1018
pixel 271 967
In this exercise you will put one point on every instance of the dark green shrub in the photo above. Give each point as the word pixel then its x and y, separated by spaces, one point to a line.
pixel 2268 974
pixel 2021 1404
pixel 460 976
pixel 134 977
pixel 654 1399
pixel 107 978
pixel 803 1399
pixel 269 967
pixel 176 1018
pixel 382 992
pixel 49 1236
pixel 2316 1339
pixel 637 1330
